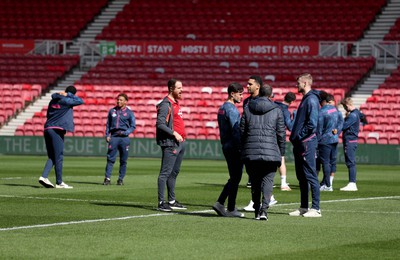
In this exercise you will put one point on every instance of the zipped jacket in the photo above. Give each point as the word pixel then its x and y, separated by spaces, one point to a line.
pixel 263 131
pixel 120 122
pixel 60 114
pixel 306 122
pixel 165 124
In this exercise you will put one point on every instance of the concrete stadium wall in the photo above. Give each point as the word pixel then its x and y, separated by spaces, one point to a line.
pixel 196 149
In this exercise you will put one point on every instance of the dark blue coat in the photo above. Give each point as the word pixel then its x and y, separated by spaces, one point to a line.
pixel 60 113
pixel 306 122
pixel 263 131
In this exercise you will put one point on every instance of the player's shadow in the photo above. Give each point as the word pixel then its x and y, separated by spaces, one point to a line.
pixel 189 213
pixel 210 184
pixel 87 182
pixel 23 185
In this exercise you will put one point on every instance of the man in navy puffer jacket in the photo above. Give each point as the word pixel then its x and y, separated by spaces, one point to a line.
pixel 263 145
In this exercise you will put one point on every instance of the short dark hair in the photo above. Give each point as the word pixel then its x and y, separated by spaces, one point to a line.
pixel 71 89
pixel 171 84
pixel 330 98
pixel 290 97
pixel 123 95
pixel 235 88
pixel 322 96
pixel 265 91
pixel 258 79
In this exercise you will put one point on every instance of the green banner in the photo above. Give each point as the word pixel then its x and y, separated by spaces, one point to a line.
pixel 107 48
pixel 195 149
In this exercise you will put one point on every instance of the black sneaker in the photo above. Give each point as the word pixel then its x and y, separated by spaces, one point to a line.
pixel 107 181
pixel 120 182
pixel 176 205
pixel 164 206
pixel 248 185
pixel 262 215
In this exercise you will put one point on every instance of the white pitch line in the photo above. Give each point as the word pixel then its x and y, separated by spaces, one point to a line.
pixel 161 214
pixel 84 221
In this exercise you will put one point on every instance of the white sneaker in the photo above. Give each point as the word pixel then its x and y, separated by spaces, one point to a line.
pixel 352 186
pixel 272 201
pixel 249 207
pixel 285 188
pixel 63 185
pixel 312 213
pixel 45 182
pixel 298 212
pixel 325 188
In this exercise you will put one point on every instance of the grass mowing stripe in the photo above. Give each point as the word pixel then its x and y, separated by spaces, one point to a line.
pixel 129 202
pixel 168 214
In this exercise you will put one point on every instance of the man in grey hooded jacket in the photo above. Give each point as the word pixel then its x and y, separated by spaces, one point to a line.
pixel 263 145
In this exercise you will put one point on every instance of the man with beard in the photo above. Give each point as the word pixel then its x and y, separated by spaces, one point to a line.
pixel 170 136
pixel 304 140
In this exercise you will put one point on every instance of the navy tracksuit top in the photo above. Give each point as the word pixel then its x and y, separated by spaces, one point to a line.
pixel 60 114
pixel 306 122
pixel 120 122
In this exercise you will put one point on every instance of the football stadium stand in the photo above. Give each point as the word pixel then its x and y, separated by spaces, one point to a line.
pixel 30 79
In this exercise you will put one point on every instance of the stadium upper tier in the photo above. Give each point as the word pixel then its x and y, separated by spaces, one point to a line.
pixel 273 20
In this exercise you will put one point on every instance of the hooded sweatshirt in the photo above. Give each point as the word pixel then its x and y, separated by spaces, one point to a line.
pixel 306 122
pixel 60 113
pixel 263 131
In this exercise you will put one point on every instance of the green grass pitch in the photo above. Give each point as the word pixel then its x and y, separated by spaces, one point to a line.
pixel 93 221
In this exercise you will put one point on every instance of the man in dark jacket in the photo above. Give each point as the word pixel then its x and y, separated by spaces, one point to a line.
pixel 263 145
pixel 229 131
pixel 289 98
pixel 170 136
pixel 304 140
pixel 60 119
pixel 121 123
pixel 330 123
pixel 351 127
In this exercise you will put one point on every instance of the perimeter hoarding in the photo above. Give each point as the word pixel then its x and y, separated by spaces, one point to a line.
pixel 195 149
pixel 200 48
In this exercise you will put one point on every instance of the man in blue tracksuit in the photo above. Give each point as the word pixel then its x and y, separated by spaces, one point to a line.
pixel 351 127
pixel 330 125
pixel 60 119
pixel 229 131
pixel 304 140
pixel 120 124
pixel 289 98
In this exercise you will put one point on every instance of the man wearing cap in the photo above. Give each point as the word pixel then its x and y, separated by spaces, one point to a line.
pixel 60 119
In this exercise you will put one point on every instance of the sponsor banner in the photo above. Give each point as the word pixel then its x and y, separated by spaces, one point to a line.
pixel 16 46
pixel 195 149
pixel 217 48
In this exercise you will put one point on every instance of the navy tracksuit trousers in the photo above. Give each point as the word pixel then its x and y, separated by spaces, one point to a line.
pixel 54 139
pixel 305 164
pixel 117 144
pixel 171 161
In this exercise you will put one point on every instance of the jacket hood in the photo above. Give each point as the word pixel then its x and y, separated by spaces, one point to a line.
pixel 261 105
pixel 314 92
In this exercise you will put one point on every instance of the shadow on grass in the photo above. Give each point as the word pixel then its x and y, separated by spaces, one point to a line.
pixel 200 213
pixel 24 185
pixel 276 186
pixel 87 182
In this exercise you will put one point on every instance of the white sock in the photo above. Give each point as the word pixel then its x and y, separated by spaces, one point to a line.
pixel 331 179
pixel 283 181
